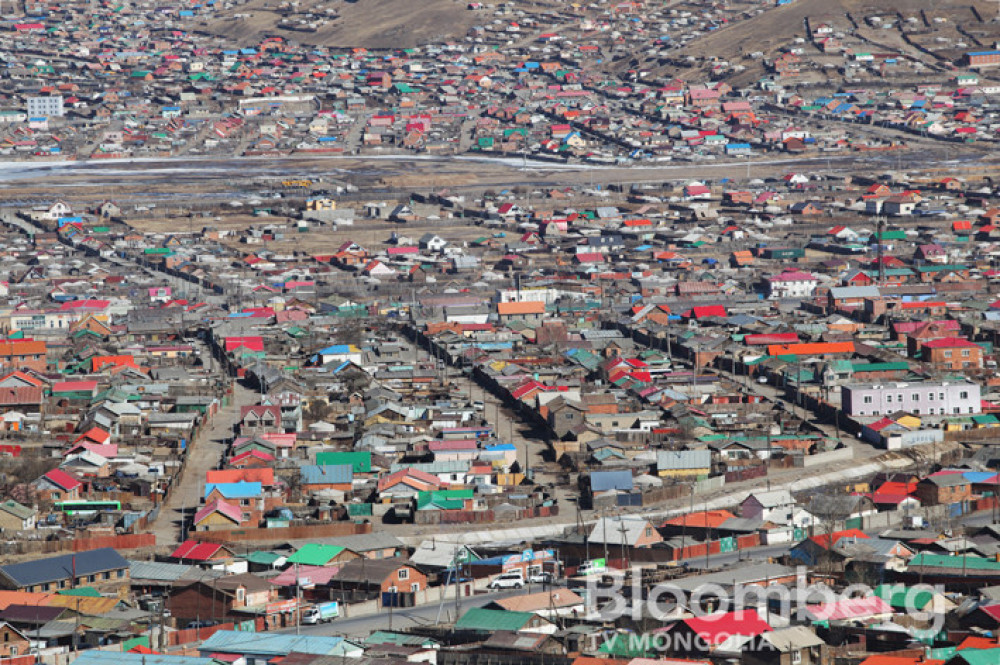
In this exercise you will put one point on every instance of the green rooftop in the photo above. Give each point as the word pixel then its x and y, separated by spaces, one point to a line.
pixel 443 499
pixel 902 597
pixel 971 563
pixel 489 621
pixel 315 554
pixel 361 462
pixel 263 558
pixel 83 592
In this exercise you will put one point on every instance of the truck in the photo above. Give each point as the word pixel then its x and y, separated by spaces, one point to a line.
pixel 321 613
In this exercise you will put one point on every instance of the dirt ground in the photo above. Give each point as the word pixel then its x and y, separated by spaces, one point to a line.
pixel 374 24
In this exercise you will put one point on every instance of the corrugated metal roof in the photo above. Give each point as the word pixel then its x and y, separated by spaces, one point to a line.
pixel 61 567
pixel 154 570
pixel 233 641
pixel 116 658
pixel 323 474
pixel 479 618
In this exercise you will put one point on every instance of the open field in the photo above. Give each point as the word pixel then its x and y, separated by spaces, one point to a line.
pixel 376 24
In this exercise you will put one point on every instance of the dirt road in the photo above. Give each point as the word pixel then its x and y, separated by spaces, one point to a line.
pixel 203 454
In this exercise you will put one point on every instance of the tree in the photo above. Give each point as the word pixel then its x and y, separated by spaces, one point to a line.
pixel 318 409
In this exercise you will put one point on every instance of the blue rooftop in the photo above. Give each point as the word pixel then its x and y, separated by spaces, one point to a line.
pixel 240 490
pixel 313 474
pixel 270 644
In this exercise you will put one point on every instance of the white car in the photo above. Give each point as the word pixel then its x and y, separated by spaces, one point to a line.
pixel 508 581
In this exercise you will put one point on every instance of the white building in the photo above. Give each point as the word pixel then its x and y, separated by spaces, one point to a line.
pixel 48 107
pixel 934 398
pixel 791 284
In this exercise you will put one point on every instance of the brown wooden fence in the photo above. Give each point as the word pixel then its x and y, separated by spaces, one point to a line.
pixel 284 533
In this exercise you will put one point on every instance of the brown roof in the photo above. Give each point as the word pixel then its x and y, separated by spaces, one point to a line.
pixel 248 581
pixel 368 570
pixel 534 602
pixel 20 395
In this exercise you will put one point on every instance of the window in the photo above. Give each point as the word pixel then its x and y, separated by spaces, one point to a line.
pixel 106 575
pixel 91 578
pixel 964 394
pixel 930 397
pixel 868 399
pixel 956 410
pixel 899 398
pixel 403 574
pixel 947 354
pixel 941 396
pixel 888 398
pixel 241 594
pixel 649 531
pixel 965 353
pixel 415 587
pixel 914 398
pixel 796 657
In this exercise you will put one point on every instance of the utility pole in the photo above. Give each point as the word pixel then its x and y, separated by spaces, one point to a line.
pixel 458 585
pixel 298 612
pixel 604 537
pixel 708 543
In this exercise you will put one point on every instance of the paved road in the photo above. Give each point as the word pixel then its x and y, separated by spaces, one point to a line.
pixel 203 453
pixel 421 615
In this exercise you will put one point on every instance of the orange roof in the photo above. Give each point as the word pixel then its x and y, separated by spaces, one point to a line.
pixel 978 643
pixel 590 660
pixel 22 348
pixel 706 518
pixel 118 361
pixel 528 307
pixel 262 475
pixel 808 349
pixel 893 660
pixel 8 598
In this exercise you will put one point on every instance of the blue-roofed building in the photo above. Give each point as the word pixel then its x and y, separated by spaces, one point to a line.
pixel 94 657
pixel 260 648
pixel 240 490
pixel 324 476
pixel 602 481
pixel 101 568
pixel 339 353
pixel 500 451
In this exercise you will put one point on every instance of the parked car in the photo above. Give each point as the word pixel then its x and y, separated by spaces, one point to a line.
pixel 543 577
pixel 512 580
pixel 202 624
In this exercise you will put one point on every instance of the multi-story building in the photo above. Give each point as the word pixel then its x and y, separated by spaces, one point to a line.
pixel 923 398
pixel 791 284
pixel 50 106
pixel 952 353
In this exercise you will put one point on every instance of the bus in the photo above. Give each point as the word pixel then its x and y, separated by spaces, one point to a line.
pixel 87 508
